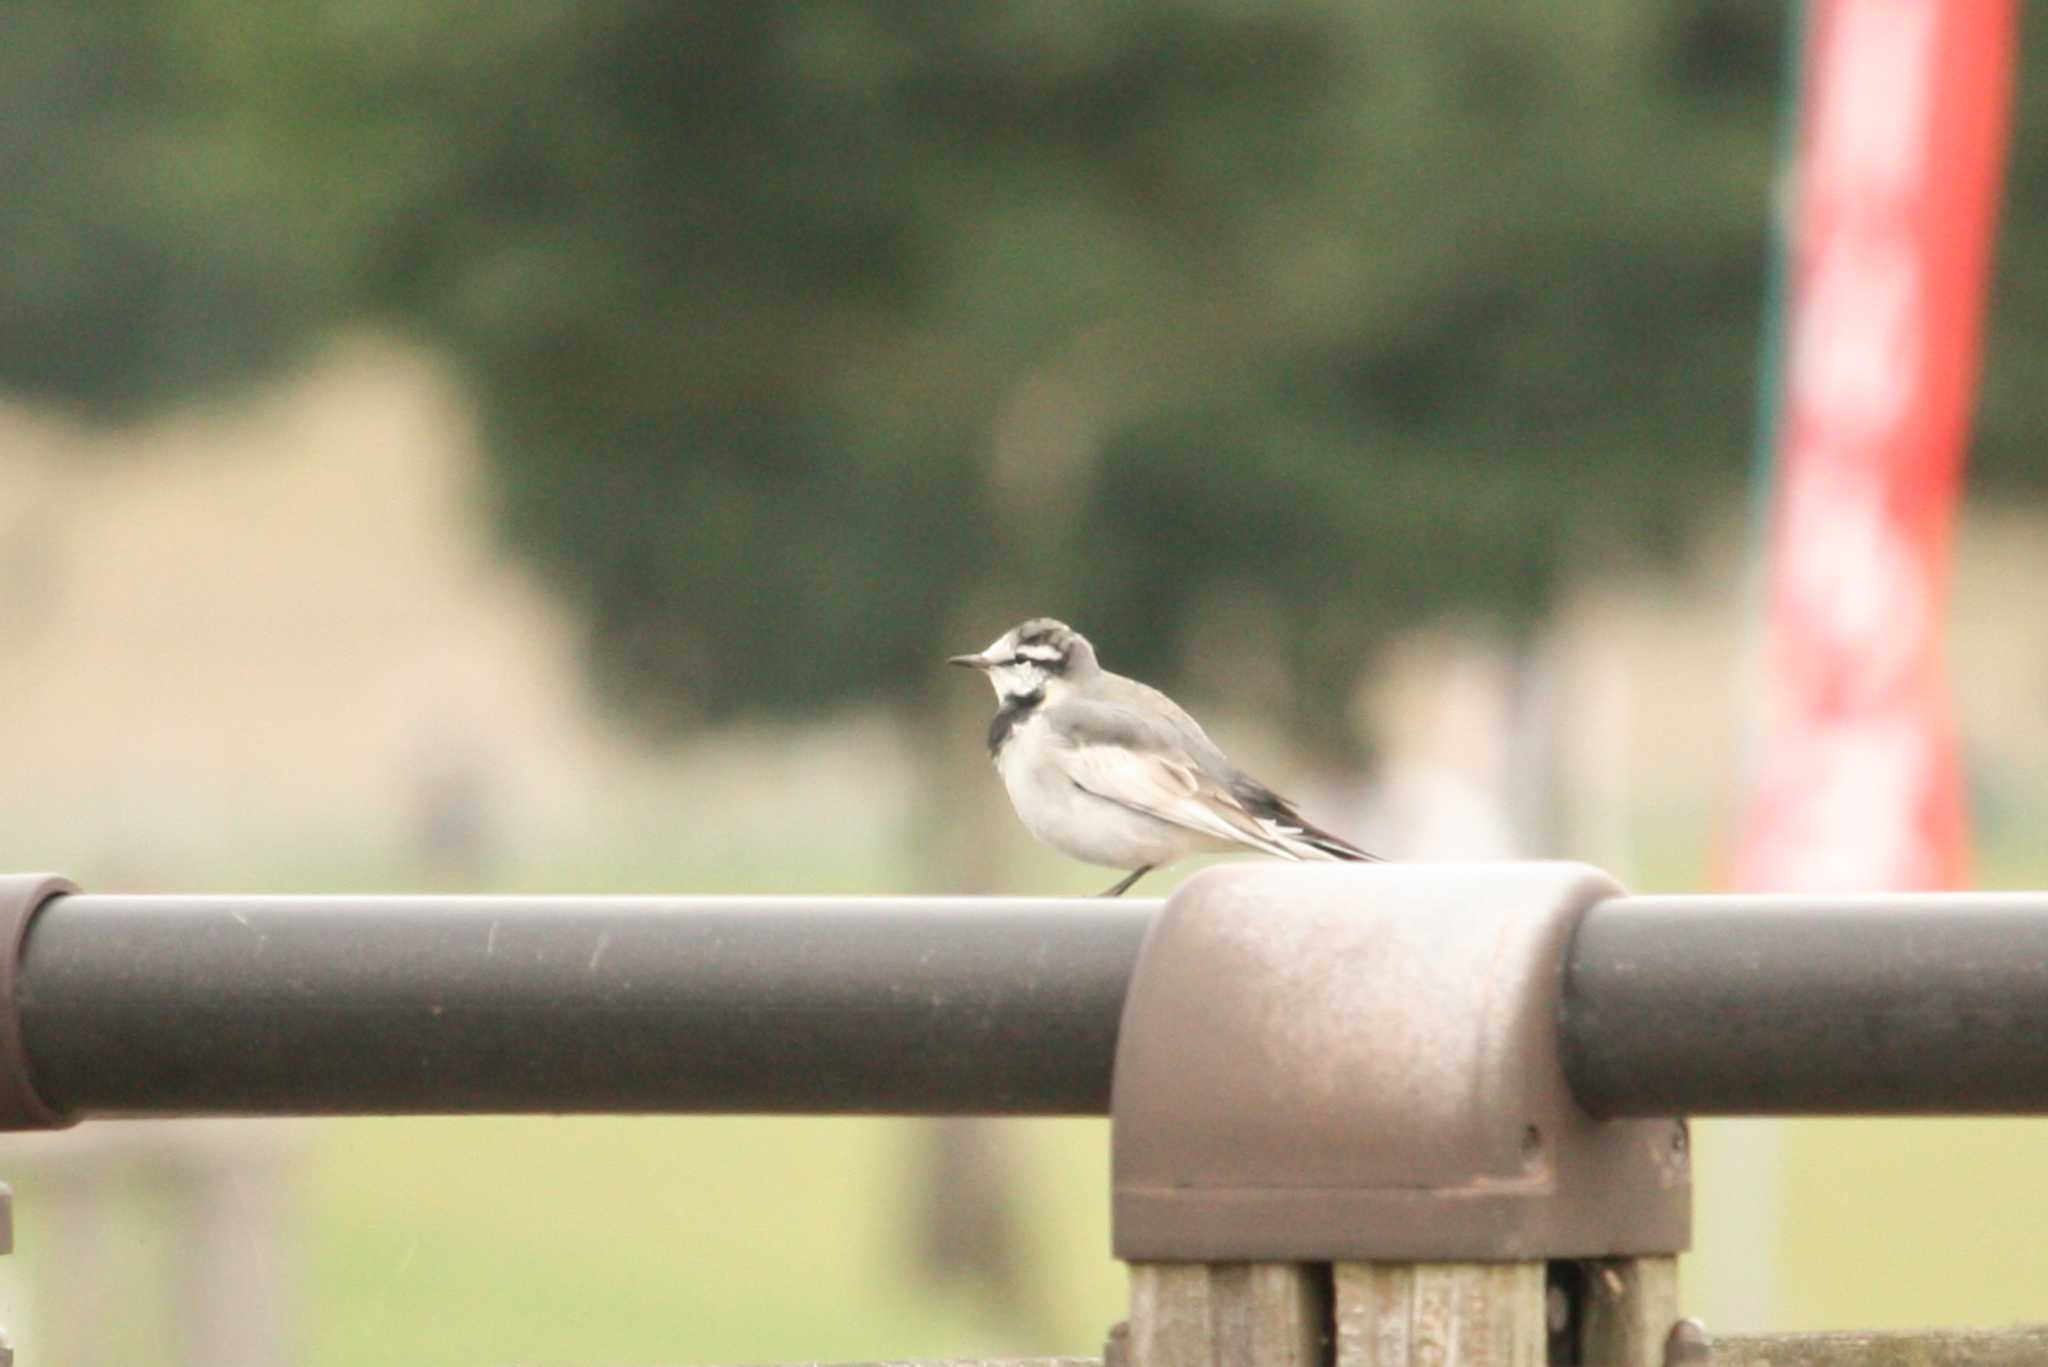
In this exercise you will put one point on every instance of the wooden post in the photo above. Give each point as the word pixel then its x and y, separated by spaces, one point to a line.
pixel 1386 1314
pixel 1229 1314
pixel 1440 1314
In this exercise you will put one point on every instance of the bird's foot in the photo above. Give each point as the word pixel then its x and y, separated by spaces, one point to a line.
pixel 1124 885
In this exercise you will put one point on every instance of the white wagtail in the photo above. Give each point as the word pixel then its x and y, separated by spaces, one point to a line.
pixel 1113 772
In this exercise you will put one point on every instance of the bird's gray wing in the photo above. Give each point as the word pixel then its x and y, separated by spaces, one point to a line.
pixel 1138 761
pixel 1187 733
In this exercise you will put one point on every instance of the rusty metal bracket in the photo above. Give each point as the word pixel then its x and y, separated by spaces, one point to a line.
pixel 21 897
pixel 1353 1062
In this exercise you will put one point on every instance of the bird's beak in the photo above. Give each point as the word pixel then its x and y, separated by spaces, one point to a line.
pixel 971 661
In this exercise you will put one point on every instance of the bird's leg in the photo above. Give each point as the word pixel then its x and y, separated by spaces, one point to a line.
pixel 1124 886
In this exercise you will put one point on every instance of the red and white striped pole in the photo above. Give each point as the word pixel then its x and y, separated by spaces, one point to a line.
pixel 1905 106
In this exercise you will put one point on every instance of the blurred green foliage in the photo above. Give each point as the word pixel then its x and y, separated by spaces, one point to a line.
pixel 816 341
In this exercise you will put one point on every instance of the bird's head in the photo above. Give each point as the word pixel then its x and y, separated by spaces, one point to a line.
pixel 1033 660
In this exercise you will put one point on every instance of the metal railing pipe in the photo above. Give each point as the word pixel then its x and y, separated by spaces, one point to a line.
pixel 389 1005
pixel 1920 1004
pixel 291 1005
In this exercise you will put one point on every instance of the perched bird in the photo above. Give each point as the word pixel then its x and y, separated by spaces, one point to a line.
pixel 1113 772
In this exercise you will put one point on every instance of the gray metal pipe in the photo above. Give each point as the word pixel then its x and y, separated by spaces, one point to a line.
pixel 1931 1005
pixel 1928 1004
pixel 387 1005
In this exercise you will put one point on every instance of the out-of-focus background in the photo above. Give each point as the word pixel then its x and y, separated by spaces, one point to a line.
pixel 551 446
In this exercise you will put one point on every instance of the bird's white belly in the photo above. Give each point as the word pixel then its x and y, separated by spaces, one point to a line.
pixel 1077 822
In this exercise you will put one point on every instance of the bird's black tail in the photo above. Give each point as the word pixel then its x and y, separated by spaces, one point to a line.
pixel 1263 802
pixel 1336 846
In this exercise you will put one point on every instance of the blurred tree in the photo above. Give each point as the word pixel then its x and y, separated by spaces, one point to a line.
pixel 810 337
pixel 128 273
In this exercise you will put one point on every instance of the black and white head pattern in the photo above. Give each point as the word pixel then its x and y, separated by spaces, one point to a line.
pixel 1038 655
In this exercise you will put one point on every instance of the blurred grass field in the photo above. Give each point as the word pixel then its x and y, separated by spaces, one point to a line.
pixel 583 1241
